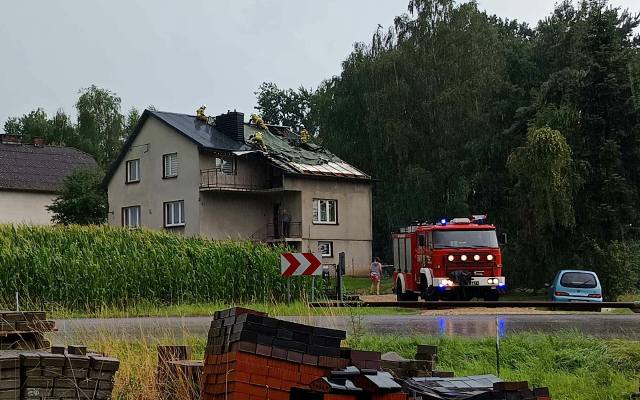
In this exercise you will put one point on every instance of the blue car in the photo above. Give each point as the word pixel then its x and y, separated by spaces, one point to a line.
pixel 574 285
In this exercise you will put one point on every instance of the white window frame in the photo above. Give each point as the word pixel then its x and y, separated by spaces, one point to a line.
pixel 174 214
pixel 130 177
pixel 325 248
pixel 320 205
pixel 223 163
pixel 127 214
pixel 170 165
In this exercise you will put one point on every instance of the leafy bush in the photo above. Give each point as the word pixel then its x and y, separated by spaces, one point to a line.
pixel 89 267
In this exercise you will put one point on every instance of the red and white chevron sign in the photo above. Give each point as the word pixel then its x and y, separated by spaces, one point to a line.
pixel 292 264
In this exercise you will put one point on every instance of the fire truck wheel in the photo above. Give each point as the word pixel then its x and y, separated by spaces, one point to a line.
pixel 407 296
pixel 430 294
pixel 491 295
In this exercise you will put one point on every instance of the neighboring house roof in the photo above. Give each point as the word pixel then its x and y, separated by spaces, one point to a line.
pixel 283 147
pixel 39 168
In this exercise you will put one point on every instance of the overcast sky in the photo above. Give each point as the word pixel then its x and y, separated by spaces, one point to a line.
pixel 178 55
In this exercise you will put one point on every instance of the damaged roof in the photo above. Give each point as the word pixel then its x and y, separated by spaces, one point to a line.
pixel 39 168
pixel 285 150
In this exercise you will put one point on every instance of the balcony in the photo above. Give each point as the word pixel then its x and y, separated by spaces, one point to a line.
pixel 216 179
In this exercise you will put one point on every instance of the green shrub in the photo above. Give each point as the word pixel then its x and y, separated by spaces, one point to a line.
pixel 84 268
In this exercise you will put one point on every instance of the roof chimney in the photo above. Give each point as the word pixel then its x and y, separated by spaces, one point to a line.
pixel 38 142
pixel 232 125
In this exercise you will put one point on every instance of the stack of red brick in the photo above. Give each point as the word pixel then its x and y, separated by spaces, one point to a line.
pixel 250 356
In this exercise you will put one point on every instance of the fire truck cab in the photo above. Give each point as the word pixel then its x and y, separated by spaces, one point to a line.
pixel 455 260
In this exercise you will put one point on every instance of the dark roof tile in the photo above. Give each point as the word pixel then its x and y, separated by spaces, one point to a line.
pixel 33 168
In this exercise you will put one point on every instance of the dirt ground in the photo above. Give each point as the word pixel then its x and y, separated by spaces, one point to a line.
pixel 470 310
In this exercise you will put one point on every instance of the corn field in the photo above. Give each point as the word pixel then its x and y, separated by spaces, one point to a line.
pixel 83 268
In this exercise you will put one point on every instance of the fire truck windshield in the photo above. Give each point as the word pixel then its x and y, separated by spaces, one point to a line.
pixel 464 238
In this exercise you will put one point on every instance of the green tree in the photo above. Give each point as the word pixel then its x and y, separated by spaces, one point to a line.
pixel 543 171
pixel 434 106
pixel 101 125
pixel 286 107
pixel 82 200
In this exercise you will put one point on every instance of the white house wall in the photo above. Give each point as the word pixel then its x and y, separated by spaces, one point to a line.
pixel 153 141
pixel 25 207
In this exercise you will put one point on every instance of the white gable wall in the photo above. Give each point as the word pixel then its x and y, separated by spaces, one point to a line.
pixel 153 141
pixel 17 207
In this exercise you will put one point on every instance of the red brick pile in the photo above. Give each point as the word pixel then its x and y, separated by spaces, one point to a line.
pixel 250 356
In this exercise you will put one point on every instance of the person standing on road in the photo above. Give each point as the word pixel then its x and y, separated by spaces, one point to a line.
pixel 376 274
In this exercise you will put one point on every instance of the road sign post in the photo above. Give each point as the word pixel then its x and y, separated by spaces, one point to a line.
pixel 300 264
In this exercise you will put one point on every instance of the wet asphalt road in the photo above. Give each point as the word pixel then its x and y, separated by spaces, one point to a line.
pixel 604 325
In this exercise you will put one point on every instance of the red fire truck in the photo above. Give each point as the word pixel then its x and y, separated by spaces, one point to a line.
pixel 454 260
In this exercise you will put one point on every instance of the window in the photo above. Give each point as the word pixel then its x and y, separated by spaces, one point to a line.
pixel 578 280
pixel 131 217
pixel 451 238
pixel 133 171
pixel 170 165
pixel 225 165
pixel 325 211
pixel 325 249
pixel 174 213
pixel 422 240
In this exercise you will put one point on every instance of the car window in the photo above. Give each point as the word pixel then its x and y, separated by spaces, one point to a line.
pixel 578 280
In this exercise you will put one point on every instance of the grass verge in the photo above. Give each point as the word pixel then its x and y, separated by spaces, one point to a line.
pixel 207 309
pixel 575 367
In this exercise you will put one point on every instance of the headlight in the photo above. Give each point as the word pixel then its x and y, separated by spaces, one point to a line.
pixel 451 258
pixel 490 257
pixel 476 257
pixel 463 257
pixel 446 282
pixel 493 281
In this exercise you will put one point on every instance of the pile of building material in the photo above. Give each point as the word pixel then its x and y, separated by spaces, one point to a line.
pixel 423 365
pixel 31 369
pixel 250 355
pixel 352 384
pixel 482 387
pixel 24 330
pixel 42 374
pixel 178 376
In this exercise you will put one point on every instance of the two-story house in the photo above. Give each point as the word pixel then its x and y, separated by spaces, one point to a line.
pixel 214 178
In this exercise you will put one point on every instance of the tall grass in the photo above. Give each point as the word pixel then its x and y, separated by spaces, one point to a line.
pixel 573 366
pixel 86 268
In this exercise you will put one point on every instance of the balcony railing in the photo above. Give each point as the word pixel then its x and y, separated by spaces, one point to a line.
pixel 291 230
pixel 284 230
pixel 216 179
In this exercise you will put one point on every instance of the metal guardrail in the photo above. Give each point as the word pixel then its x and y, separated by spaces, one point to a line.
pixel 554 305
